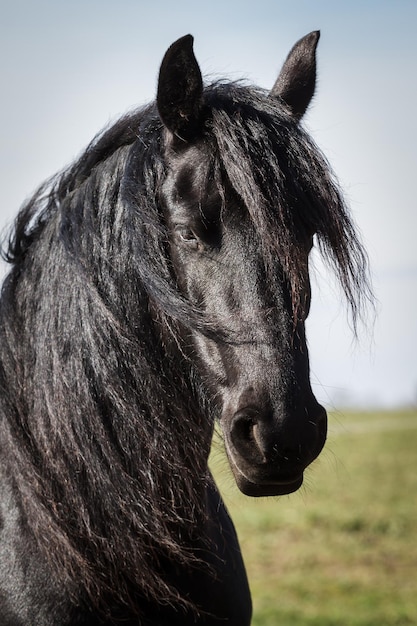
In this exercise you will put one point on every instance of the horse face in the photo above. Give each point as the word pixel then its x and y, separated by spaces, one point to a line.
pixel 256 365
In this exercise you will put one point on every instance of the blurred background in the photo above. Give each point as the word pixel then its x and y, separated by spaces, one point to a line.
pixel 69 68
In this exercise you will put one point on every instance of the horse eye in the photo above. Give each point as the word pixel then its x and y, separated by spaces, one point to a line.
pixel 187 236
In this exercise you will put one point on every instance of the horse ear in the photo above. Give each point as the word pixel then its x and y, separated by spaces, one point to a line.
pixel 180 89
pixel 296 82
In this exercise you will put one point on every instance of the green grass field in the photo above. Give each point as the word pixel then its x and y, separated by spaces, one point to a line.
pixel 343 550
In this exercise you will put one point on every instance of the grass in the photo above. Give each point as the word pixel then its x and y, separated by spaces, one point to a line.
pixel 343 550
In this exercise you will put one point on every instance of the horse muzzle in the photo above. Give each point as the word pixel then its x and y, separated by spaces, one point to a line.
pixel 268 454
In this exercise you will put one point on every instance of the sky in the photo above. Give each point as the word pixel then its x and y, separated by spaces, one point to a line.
pixel 69 68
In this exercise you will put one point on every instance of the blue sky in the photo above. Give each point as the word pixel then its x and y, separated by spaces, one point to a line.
pixel 68 68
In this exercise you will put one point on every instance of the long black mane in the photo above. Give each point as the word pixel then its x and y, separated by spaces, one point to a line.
pixel 93 376
pixel 88 384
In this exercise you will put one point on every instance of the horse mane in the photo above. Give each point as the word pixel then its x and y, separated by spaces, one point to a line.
pixel 89 382
pixel 108 460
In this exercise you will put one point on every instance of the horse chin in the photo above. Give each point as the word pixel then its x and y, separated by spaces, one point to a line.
pixel 264 489
pixel 265 485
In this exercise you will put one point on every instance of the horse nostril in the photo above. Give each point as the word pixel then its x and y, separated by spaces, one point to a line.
pixel 244 436
pixel 241 430
pixel 242 427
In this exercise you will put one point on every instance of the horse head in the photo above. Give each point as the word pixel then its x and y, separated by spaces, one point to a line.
pixel 230 264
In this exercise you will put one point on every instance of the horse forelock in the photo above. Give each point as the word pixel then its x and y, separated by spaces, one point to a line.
pixel 288 188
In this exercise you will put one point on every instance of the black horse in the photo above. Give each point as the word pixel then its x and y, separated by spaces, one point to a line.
pixel 158 284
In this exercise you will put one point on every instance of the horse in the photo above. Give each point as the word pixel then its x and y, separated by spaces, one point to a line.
pixel 157 286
